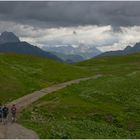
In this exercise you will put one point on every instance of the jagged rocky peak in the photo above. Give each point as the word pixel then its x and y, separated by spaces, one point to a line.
pixel 128 47
pixel 137 44
pixel 8 37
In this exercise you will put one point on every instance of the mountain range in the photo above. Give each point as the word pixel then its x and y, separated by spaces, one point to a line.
pixel 85 51
pixel 10 43
pixel 69 58
pixel 127 50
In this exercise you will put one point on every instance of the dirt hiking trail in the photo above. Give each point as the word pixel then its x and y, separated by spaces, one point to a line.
pixel 16 131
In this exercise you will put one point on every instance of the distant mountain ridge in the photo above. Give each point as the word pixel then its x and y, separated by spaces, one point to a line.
pixel 83 50
pixel 10 43
pixel 127 50
pixel 70 59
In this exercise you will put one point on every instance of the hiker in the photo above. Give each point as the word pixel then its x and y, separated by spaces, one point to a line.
pixel 13 112
pixel 5 111
pixel 1 113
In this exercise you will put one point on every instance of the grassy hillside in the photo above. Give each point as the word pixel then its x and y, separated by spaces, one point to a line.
pixel 107 107
pixel 117 65
pixel 22 74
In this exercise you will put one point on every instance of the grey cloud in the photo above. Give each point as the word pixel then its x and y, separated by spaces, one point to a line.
pixel 46 14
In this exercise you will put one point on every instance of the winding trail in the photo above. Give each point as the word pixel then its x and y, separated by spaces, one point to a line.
pixel 16 131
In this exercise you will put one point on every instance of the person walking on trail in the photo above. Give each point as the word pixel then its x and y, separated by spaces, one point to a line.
pixel 5 111
pixel 1 113
pixel 13 112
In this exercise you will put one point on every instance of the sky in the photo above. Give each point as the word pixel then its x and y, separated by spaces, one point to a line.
pixel 105 25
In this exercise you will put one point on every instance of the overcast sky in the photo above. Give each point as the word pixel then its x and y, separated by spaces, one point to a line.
pixel 106 25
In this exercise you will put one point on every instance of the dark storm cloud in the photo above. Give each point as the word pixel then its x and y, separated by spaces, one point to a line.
pixel 42 14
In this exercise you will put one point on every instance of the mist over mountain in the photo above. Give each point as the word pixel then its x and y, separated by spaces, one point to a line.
pixel 10 43
pixel 69 58
pixel 82 50
pixel 127 50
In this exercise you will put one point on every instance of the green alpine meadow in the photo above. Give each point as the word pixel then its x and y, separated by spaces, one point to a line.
pixel 23 74
pixel 107 107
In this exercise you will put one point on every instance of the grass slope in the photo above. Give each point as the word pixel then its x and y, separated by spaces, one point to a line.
pixel 22 74
pixel 117 65
pixel 107 107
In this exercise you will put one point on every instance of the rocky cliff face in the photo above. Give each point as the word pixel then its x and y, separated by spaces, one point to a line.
pixel 8 37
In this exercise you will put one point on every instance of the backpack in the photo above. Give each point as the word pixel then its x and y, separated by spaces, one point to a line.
pixel 13 110
pixel 5 110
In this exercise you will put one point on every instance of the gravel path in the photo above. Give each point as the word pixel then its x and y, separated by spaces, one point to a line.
pixel 16 131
